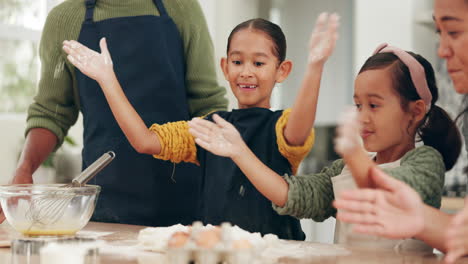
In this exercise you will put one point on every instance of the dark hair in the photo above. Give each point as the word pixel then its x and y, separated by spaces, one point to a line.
pixel 461 115
pixel 437 129
pixel 272 30
pixel 465 109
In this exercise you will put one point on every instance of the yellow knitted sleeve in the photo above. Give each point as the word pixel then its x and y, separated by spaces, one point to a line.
pixel 294 154
pixel 177 144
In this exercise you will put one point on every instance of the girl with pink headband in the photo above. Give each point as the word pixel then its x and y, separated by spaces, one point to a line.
pixel 380 210
pixel 395 95
pixel 392 130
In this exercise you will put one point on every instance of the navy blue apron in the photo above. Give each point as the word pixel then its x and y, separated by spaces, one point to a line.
pixel 149 63
pixel 229 196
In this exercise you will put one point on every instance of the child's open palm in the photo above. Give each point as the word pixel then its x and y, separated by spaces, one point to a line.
pixel 323 39
pixel 97 66
pixel 220 138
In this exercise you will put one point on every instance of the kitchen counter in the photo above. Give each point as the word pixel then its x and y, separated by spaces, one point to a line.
pixel 121 240
pixel 452 205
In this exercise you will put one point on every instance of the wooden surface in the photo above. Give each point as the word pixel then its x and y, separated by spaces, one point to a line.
pixel 121 248
pixel 452 204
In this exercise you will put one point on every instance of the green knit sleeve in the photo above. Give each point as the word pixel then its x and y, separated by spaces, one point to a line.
pixel 311 196
pixel 203 92
pixel 54 106
pixel 423 169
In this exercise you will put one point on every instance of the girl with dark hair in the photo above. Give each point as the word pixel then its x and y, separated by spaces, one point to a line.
pixel 413 81
pixel 395 96
pixel 382 210
pixel 256 61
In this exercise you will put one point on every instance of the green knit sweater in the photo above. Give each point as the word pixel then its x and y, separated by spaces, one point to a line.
pixel 56 104
pixel 311 196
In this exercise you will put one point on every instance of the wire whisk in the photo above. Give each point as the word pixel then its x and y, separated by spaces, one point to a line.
pixel 47 209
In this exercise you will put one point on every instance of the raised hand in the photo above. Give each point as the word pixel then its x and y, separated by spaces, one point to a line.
pixel 220 138
pixel 97 66
pixel 348 133
pixel 323 38
pixel 457 236
pixel 382 211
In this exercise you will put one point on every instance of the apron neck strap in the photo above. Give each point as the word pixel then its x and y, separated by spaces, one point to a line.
pixel 90 4
pixel 160 6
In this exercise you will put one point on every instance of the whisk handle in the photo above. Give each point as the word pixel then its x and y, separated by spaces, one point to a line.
pixel 93 169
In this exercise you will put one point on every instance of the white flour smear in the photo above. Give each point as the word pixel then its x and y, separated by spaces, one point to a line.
pixel 92 234
pixel 299 250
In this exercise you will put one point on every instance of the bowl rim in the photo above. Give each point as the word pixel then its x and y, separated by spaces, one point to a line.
pixel 31 189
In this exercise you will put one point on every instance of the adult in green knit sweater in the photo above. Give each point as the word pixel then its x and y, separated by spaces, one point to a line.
pixel 395 95
pixel 163 55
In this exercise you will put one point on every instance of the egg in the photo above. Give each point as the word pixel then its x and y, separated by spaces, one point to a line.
pixel 208 238
pixel 241 244
pixel 178 239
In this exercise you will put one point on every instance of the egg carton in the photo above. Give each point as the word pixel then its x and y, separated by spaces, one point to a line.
pixel 211 256
pixel 208 244
pixel 224 251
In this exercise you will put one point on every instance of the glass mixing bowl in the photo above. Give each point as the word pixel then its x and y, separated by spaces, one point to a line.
pixel 48 209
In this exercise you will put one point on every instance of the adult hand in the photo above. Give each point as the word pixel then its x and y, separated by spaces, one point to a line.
pixel 348 133
pixel 97 66
pixel 220 138
pixel 22 176
pixel 457 236
pixel 323 38
pixel 381 211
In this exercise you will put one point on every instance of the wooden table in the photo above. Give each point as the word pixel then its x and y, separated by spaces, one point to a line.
pixel 452 205
pixel 121 241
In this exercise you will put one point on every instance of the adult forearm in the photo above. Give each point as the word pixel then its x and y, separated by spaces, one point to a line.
pixel 304 110
pixel 436 223
pixel 40 142
pixel 134 128
pixel 267 182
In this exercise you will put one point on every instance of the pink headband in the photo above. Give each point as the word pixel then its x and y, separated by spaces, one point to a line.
pixel 416 71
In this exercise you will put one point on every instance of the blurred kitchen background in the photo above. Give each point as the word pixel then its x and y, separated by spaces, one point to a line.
pixel 364 24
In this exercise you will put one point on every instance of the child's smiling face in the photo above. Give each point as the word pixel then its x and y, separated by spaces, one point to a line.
pixel 386 127
pixel 252 68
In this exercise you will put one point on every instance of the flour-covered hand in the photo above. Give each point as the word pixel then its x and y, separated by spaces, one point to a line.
pixel 323 38
pixel 219 137
pixel 348 137
pixel 97 66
